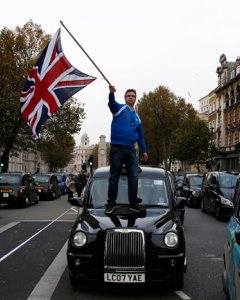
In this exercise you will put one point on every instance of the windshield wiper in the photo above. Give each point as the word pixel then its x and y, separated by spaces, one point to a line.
pixel 156 205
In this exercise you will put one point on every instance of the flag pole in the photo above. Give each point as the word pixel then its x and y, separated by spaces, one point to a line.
pixel 104 77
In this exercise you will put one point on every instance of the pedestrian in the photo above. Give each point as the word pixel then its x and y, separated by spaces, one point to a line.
pixel 126 130
pixel 70 183
pixel 80 183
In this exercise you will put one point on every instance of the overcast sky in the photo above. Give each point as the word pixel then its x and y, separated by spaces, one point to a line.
pixel 139 44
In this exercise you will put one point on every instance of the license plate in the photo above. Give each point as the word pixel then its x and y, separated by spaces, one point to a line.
pixel 124 278
pixel 5 195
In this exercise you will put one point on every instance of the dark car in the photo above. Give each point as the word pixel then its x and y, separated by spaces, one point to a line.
pixel 191 188
pixel 17 189
pixel 217 193
pixel 127 246
pixel 61 177
pixel 47 186
pixel 230 277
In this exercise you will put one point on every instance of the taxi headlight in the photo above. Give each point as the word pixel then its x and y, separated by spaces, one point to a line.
pixel 196 193
pixel 225 201
pixel 79 239
pixel 171 239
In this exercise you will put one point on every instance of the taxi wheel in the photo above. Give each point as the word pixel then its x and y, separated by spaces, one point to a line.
pixel 37 200
pixel 218 213
pixel 178 282
pixel 74 281
pixel 25 202
pixel 203 208
pixel 189 202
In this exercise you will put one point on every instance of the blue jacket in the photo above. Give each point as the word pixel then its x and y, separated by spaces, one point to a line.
pixel 126 127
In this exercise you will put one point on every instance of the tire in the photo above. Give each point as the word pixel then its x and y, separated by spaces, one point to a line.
pixel 218 213
pixel 203 208
pixel 178 282
pixel 25 202
pixel 37 200
pixel 74 281
pixel 189 203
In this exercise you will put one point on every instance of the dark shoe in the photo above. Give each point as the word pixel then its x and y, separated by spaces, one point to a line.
pixel 139 200
pixel 136 207
pixel 109 208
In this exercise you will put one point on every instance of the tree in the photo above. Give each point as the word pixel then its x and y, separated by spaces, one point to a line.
pixel 161 112
pixel 18 52
pixel 57 143
pixel 58 152
pixel 190 142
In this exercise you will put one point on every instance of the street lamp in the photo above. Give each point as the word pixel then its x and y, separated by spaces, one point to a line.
pixel 211 149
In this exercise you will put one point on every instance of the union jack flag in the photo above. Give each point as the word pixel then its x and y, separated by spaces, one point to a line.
pixel 50 83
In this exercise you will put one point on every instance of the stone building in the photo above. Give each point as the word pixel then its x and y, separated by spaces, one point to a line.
pixel 81 155
pixel 28 161
pixel 84 150
pixel 227 130
pixel 102 151
pixel 223 111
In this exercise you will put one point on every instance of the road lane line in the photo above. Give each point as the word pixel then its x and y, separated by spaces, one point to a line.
pixel 182 295
pixel 39 221
pixel 47 284
pixel 8 226
pixel 29 239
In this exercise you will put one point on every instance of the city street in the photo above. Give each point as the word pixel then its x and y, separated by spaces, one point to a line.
pixel 33 257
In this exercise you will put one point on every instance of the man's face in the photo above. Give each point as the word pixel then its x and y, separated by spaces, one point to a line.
pixel 130 98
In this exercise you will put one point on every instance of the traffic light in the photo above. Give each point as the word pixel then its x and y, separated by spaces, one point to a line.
pixel 1 163
pixel 90 160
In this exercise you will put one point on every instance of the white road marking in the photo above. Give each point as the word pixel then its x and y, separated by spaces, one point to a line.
pixel 182 295
pixel 47 284
pixel 8 226
pixel 74 209
pixel 57 221
pixel 19 246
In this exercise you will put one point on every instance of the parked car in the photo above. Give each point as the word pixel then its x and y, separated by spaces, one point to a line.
pixel 18 189
pixel 217 193
pixel 127 246
pixel 47 186
pixel 230 277
pixel 61 177
pixel 191 188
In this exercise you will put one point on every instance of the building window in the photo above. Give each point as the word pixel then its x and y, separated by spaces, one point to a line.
pixel 232 97
pixel 226 101
pixel 238 70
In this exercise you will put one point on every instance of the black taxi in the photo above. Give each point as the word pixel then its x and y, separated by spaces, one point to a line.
pixel 127 246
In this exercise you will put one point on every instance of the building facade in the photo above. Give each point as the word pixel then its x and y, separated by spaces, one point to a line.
pixel 224 116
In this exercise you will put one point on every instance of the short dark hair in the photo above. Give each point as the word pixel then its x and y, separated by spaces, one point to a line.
pixel 130 90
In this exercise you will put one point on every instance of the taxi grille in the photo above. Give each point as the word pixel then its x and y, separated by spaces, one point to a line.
pixel 124 249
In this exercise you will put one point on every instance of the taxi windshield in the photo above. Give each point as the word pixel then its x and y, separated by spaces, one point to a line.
pixel 151 191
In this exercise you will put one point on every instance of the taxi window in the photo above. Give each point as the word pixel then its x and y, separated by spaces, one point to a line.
pixel 151 191
pixel 9 179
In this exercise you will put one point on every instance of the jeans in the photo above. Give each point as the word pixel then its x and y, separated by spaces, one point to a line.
pixel 120 155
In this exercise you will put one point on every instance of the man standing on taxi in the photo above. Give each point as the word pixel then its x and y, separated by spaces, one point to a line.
pixel 126 130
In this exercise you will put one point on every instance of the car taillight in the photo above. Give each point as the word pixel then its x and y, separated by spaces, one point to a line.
pixel 21 191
